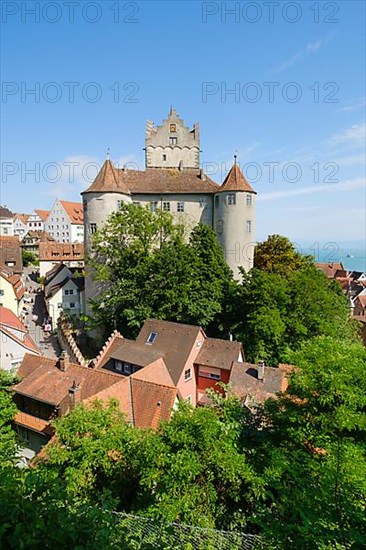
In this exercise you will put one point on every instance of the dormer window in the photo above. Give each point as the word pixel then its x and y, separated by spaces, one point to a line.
pixel 151 338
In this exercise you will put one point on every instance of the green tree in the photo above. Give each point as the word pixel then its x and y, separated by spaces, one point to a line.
pixel 315 440
pixel 29 258
pixel 278 255
pixel 148 269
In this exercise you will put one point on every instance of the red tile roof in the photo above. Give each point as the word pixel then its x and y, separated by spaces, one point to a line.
pixel 235 181
pixel 245 384
pixel 34 423
pixel 74 210
pixel 22 217
pixel 174 341
pixel 8 323
pixel 61 252
pixel 218 353
pixel 329 269
pixel 151 181
pixel 10 252
pixel 43 214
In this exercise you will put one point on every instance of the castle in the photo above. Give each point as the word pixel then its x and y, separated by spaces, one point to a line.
pixel 173 180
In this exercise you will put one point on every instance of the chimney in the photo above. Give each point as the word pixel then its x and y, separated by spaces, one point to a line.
pixel 74 395
pixel 202 174
pixel 260 370
pixel 64 361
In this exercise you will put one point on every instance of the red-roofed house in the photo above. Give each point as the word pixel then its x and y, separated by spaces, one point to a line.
pixel 20 225
pixel 50 389
pixel 36 221
pixel 193 361
pixel 15 341
pixel 65 222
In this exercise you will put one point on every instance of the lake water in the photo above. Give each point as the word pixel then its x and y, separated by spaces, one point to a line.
pixel 352 258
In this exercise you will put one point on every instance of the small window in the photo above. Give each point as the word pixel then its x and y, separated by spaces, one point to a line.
pixel 173 128
pixel 217 201
pixel 1 292
pixel 248 226
pixel 164 157
pixel 202 202
pixel 166 206
pixel 188 399
pixel 93 228
pixel 187 374
pixel 127 368
pixel 153 206
pixel 180 207
pixel 151 338
pixel 249 199
pixel 118 365
pixel 66 292
pixel 231 199
pixel 173 141
pixel 72 305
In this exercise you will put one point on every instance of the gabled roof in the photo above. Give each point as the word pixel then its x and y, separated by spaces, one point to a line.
pixel 47 383
pixel 245 383
pixel 329 269
pixel 43 214
pixel 10 252
pixel 218 353
pixel 151 181
pixel 10 322
pixel 74 210
pixel 235 181
pixel 6 213
pixel 22 217
pixel 130 351
pixel 174 341
pixel 40 235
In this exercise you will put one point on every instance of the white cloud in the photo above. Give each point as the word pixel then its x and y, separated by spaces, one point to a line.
pixel 353 105
pixel 353 136
pixel 347 185
pixel 312 47
pixel 309 49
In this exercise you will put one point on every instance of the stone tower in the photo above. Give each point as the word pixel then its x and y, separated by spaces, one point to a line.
pixel 234 218
pixel 172 145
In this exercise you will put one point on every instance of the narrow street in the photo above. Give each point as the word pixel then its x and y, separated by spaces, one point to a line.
pixel 35 315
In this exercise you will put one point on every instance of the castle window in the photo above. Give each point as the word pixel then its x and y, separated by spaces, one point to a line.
pixel 217 201
pixel 180 207
pixel 173 127
pixel 164 157
pixel 248 226
pixel 231 199
pixel 249 199
pixel 93 228
pixel 153 206
pixel 166 206
pixel 173 140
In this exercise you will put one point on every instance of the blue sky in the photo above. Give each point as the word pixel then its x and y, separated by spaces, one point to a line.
pixel 305 158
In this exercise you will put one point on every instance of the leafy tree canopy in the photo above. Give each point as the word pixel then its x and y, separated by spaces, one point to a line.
pixel 278 255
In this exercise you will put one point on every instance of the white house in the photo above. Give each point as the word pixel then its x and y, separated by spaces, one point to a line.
pixel 15 341
pixel 65 222
pixel 64 293
pixel 6 222
pixel 20 225
pixel 11 291
pixel 36 220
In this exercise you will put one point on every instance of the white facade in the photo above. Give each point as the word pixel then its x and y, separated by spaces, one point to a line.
pixel 61 226
pixel 67 299
pixel 35 222
pixel 20 228
pixel 8 296
pixel 7 226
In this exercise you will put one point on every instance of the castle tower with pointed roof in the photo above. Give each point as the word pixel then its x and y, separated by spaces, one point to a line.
pixel 234 218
